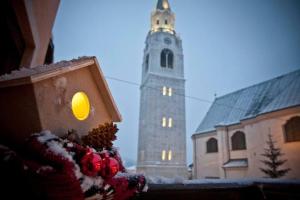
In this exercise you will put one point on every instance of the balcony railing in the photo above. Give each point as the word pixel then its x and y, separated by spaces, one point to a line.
pixel 224 191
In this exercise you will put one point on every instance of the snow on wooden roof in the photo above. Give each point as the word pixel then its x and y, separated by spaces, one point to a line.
pixel 42 72
pixel 272 95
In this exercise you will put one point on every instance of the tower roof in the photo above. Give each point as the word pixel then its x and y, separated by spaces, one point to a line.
pixel 163 5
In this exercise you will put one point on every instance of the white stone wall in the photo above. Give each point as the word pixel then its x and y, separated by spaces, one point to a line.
pixel 206 164
pixel 154 45
pixel 153 138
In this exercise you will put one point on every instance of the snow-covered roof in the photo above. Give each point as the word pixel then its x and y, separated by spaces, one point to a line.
pixel 32 75
pixel 272 95
pixel 44 69
pixel 234 163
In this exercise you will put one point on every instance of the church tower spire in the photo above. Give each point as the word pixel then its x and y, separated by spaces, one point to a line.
pixel 162 131
pixel 163 19
pixel 163 5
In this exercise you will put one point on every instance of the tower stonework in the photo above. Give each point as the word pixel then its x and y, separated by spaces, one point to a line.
pixel 162 130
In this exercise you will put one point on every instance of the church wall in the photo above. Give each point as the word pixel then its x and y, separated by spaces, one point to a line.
pixel 256 131
pixel 257 135
pixel 236 154
pixel 207 164
pixel 236 173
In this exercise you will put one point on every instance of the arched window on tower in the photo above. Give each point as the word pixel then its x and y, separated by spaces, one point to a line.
pixel 167 58
pixel 292 129
pixel 212 145
pixel 147 63
pixel 238 141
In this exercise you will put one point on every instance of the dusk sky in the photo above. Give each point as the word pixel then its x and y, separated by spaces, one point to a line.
pixel 227 45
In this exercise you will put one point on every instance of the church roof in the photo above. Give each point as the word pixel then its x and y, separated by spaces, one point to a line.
pixel 163 5
pixel 272 95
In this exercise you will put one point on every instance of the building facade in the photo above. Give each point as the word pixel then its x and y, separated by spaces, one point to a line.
pixel 231 138
pixel 162 130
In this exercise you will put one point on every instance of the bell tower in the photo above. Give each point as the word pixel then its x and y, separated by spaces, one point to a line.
pixel 162 130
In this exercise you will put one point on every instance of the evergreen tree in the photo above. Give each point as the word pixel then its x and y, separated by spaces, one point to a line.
pixel 273 161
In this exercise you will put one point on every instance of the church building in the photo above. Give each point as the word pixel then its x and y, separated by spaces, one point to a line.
pixel 233 135
pixel 162 129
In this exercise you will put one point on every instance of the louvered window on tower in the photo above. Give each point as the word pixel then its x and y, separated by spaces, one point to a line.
pixel 166 58
pixel 164 122
pixel 147 63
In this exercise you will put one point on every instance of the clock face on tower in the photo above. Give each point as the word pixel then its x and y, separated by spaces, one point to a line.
pixel 167 41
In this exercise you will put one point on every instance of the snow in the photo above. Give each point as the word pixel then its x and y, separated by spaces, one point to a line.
pixel 9 154
pixel 88 182
pixel 3 147
pixel 163 180
pixel 59 150
pixel 45 136
pixel 55 145
pixel 133 167
pixel 275 94
pixel 43 168
pixel 236 163
pixel 25 71
pixel 70 145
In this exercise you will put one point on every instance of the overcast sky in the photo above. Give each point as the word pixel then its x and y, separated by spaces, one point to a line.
pixel 227 45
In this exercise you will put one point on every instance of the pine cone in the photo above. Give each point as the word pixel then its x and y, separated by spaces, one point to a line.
pixel 101 137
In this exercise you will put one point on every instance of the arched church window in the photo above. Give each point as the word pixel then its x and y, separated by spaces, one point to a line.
pixel 157 22
pixel 292 129
pixel 166 58
pixel 212 145
pixel 238 141
pixel 166 22
pixel 147 62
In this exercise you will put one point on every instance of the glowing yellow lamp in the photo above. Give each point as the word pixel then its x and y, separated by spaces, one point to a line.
pixel 80 106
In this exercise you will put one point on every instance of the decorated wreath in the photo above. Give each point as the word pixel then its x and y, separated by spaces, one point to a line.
pixel 58 168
